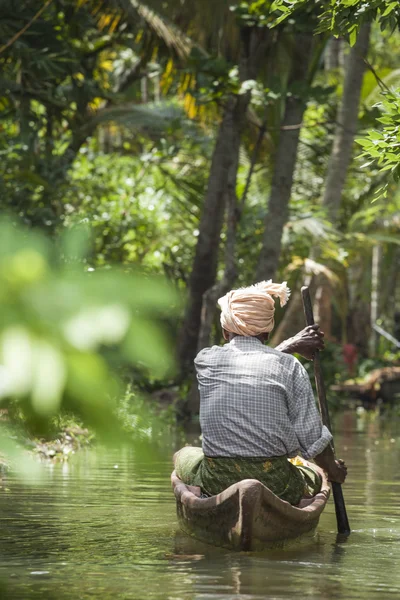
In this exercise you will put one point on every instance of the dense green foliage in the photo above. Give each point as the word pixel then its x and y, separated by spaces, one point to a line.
pixel 68 331
pixel 343 17
pixel 382 146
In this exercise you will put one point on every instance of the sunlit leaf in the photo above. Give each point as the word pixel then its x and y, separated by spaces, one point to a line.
pixel 17 358
pixel 147 345
pixel 97 325
pixel 48 379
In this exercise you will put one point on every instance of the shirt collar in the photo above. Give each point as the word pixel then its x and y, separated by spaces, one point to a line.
pixel 242 341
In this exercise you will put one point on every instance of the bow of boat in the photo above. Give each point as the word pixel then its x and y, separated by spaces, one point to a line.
pixel 247 515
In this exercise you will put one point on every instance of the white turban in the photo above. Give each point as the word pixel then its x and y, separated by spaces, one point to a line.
pixel 250 311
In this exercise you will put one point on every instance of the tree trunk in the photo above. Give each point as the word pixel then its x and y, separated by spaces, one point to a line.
pixel 285 161
pixel 358 317
pixel 374 312
pixel 389 295
pixel 206 257
pixel 340 158
pixel 234 212
pixel 333 58
pixel 211 296
pixel 347 121
pixel 220 288
pixel 223 168
pixel 323 307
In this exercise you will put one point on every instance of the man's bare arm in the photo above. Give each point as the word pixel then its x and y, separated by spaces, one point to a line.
pixel 305 343
pixel 336 469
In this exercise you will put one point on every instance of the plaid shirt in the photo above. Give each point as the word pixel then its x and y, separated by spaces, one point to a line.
pixel 256 402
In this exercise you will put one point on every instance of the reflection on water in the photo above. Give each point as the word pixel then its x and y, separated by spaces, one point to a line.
pixel 104 527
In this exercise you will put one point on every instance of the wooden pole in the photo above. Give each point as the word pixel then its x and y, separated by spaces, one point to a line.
pixel 340 508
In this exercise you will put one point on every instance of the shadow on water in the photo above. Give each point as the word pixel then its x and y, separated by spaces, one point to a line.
pixel 104 526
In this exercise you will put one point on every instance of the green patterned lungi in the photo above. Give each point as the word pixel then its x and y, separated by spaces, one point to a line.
pixel 289 479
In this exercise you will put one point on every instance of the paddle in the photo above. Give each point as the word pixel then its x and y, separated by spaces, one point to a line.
pixel 340 508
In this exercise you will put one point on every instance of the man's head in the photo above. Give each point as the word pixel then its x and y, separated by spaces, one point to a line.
pixel 250 311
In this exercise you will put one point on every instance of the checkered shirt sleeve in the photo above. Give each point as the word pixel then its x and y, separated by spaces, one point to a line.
pixel 312 435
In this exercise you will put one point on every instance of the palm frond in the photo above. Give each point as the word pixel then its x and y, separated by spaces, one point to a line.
pixel 171 36
pixel 371 216
pixel 317 227
pixel 150 118
pixel 391 80
pixel 384 238
pixel 312 267
pixel 143 21
pixel 374 238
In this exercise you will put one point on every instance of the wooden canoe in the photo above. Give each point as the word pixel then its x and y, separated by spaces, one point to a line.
pixel 247 515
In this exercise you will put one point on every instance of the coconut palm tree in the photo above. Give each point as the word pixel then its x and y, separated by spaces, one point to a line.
pixel 347 121
pixel 338 165
pixel 305 54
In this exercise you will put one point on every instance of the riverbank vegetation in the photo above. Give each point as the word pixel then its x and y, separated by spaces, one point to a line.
pixel 156 154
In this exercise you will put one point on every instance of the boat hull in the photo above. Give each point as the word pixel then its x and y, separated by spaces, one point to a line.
pixel 247 516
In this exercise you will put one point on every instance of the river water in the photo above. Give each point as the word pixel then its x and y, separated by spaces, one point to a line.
pixel 104 526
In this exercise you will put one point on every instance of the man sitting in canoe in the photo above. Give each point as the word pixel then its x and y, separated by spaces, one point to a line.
pixel 257 407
